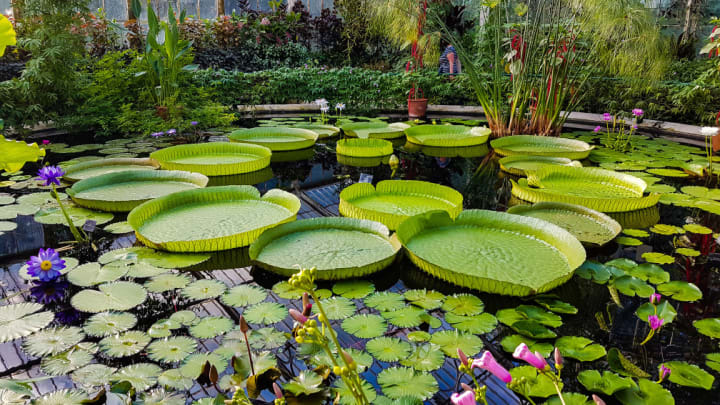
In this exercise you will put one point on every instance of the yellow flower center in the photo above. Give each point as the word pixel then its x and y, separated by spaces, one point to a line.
pixel 45 265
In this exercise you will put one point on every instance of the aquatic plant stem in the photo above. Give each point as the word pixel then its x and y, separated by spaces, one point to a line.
pixel 76 233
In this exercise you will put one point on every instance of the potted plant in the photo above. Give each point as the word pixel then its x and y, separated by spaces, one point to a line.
pixel 417 102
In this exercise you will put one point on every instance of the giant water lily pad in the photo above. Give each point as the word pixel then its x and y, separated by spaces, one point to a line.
pixel 123 191
pixel 492 251
pixel 216 218
pixel 364 148
pixel 447 135
pixel 521 165
pixel 375 129
pixel 214 158
pixel 337 247
pixel 276 138
pixel 97 167
pixel 598 189
pixel 322 130
pixel 587 225
pixel 393 201
pixel 16 153
pixel 541 146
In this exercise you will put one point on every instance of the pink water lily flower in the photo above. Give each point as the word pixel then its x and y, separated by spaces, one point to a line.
pixel 488 362
pixel 655 298
pixel 597 129
pixel 655 322
pixel 607 117
pixel 522 352
pixel 298 316
pixel 466 398
pixel 637 112
pixel 664 372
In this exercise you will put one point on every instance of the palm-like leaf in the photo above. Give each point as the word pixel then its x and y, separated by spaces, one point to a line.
pixel 244 295
pixel 125 344
pixel 18 320
pixel 109 323
pixel 172 349
pixel 52 340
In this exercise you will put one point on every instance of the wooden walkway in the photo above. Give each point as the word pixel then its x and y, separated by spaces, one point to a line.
pixel 316 202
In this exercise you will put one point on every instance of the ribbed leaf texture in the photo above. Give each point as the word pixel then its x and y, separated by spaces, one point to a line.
pixel 520 165
pixel 447 135
pixel 276 138
pixel 364 148
pixel 84 170
pixel 541 146
pixel 214 158
pixel 375 129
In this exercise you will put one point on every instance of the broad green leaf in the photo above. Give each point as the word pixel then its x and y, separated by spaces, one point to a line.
pixel 337 308
pixel 555 305
pixel 407 317
pixel 90 274
pixel 93 375
pixel 52 341
pixel 244 295
pixel 708 327
pixel 425 357
pixel 346 396
pixel 646 393
pixel 118 296
pixel 388 349
pixel 450 341
pixel 265 313
pixel 608 383
pixel 204 289
pixel 385 301
pixel 650 272
pixel 15 153
pixel 266 338
pixel 305 383
pixel 211 326
pixel 697 229
pixel 570 398
pixel 141 375
pixel 418 336
pixel 166 260
pixel 184 317
pixel 537 385
pixel 713 361
pixel 632 286
pixel 681 291
pixel 689 375
pixel 659 258
pixel 365 325
pixel 463 304
pixel 64 397
pixel 533 329
pixel 172 349
pixel 124 344
pixel 173 378
pixel 23 319
pixel 66 362
pixel 167 282
pixel 397 382
pixel 426 299
pixel 477 324
pixel 511 342
pixel 579 348
pixel 353 289
pixel 193 365
pixel 664 311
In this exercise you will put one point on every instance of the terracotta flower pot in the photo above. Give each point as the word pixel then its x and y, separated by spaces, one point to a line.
pixel 417 108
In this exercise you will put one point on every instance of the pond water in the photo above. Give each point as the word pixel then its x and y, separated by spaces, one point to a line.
pixel 604 315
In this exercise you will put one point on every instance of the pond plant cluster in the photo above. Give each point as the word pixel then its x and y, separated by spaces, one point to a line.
pixel 569 297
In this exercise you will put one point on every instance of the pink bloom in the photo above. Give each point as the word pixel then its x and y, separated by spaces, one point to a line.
pixel 298 316
pixel 597 128
pixel 463 358
pixel 488 362
pixel 637 112
pixel 607 117
pixel 466 398
pixel 522 352
pixel 46 142
pixel 539 356
pixel 598 400
pixel 655 322
pixel 558 357
pixel 265 21
pixel 655 298
pixel 664 372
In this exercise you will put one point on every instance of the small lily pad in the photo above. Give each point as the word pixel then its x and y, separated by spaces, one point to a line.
pixel 608 383
pixel 353 289
pixel 511 342
pixel 681 291
pixel 665 311
pixel 579 348
pixel 450 341
pixel 650 272
pixel 536 385
pixel 697 229
pixel 385 301
pixel 689 375
pixel 365 326
pixel 658 258
pixel 708 327
pixel 388 349
pixel 632 286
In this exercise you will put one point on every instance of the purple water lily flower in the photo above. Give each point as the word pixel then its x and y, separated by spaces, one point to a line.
pixel 637 112
pixel 193 123
pixel 172 131
pixel 607 117
pixel 597 129
pixel 46 293
pixel 50 175
pixel 655 322
pixel 46 265
pixel 635 126
pixel 157 134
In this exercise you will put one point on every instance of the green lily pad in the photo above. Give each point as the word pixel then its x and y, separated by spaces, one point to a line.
pixel 418 336
pixel 687 252
pixel 354 289
pixel 659 258
pixel 156 258
pixel 167 282
pixel 650 272
pixel 713 361
pixel 579 348
pixel 388 349
pixel 555 305
pixel 697 229
pixel 608 383
pixel 511 342
pixel 124 344
pixel 536 385
pixel 450 341
pixel 636 233
pixel 689 375
pixel 427 299
pixel 337 308
pixel 365 326
pixel 398 382
pixel 90 274
pixel 117 296
pixel 265 313
pixel 385 301
pixel 708 327
pixel 204 289
pixel 406 317
pixel 244 295
pixel 570 398
pixel 632 286
pixel 109 323
pixel 665 311
pixel 646 393
pixel 477 324
pixel 425 357
pixel 681 291
pixel 627 241
pixel 119 228
pixel 211 326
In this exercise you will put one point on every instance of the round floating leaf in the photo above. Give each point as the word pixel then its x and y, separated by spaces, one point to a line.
pixel 509 316
pixel 536 385
pixel 204 289
pixel 388 349
pixel 166 260
pixel 632 286
pixel 62 397
pixel 23 319
pixel 708 327
pixel 407 317
pixel 118 296
pixel 140 270
pixel 211 326
pixel 66 362
pixel 141 375
pixel 687 252
pixel 385 301
pixel 90 274
pixel 650 272
pixel 163 328
pixel 622 264
pixel 689 375
pixel 244 295
pixel 626 241
pixel 668 172
pixel 662 229
pixel 284 290
pixel 451 340
pixel 265 313
pixel 172 349
pixel 664 310
pixel 697 229
pixel 608 383
pixel 78 215
pixel 636 233
pixel 52 341
pixel 418 336
pixel 185 317
pixel 162 397
pixel 555 305
pixel 92 375
pixel 109 323
pixel 125 344
pixel 397 382
pixel 579 348
pixel 713 361
pixel 167 282
pixel 266 338
pixel 425 357
pixel 365 326
pixel 477 324
pixel 660 188
pixel 346 396
pixel 337 308
pixel 193 365
pixel 659 258
pixel 174 379
pixel 463 304
pixel 511 342
pixel 427 299
pixel 354 289
pixel 681 291
pixel 118 228
pixel 305 383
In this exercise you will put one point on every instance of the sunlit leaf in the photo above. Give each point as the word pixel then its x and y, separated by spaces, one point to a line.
pixel 337 308
pixel 689 375
pixel 681 291
pixel 353 289
pixel 385 301
pixel 579 348
pixel 109 323
pixel 388 349
pixel 536 385
pixel 193 365
pixel 451 340
pixel 167 282
pixel 23 319
pixel 365 325
pixel 172 349
pixel 427 299
pixel 204 289
pixel 141 375
pixel 52 341
pixel 244 295
pixel 608 383
pixel 211 326
pixel 425 357
pixel 265 313
pixel 124 344
pixel 477 324
pixel 398 382
pixel 463 304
